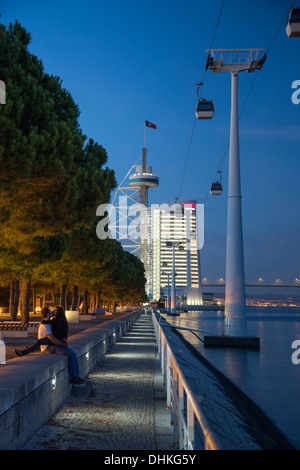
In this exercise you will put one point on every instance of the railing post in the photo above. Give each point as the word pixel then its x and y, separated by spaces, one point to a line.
pixel 162 356
pixel 174 406
pixel 180 414
pixel 190 425
pixel 168 377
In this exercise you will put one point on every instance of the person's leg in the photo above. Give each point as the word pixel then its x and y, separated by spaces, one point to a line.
pixel 72 359
pixel 72 363
pixel 33 347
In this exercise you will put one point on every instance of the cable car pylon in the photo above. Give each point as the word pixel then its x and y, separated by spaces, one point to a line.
pixel 235 61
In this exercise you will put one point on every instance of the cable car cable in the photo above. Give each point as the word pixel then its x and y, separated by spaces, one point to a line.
pixel 193 128
pixel 186 160
pixel 213 38
pixel 250 89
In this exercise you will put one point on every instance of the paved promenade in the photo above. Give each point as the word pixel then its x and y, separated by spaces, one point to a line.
pixel 126 409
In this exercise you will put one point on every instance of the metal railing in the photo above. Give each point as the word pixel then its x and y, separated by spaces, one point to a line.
pixel 191 429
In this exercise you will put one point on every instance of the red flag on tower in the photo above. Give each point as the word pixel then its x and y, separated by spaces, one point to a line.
pixel 149 124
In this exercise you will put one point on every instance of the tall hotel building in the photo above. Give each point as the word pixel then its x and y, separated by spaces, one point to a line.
pixel 183 229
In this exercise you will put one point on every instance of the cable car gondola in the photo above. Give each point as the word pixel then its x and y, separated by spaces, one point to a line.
pixel 293 27
pixel 216 188
pixel 205 108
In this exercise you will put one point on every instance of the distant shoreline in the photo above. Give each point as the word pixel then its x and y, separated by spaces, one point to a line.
pixel 221 308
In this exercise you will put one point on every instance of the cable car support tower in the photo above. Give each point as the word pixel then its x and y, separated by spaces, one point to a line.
pixel 234 61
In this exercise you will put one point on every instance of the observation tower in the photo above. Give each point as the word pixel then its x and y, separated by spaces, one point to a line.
pixel 143 179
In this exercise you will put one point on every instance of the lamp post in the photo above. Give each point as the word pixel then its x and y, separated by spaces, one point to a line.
pixel 173 287
pixel 168 295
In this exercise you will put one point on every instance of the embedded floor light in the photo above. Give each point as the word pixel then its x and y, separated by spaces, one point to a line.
pixel 53 382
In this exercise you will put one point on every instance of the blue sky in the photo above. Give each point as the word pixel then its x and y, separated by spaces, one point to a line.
pixel 125 62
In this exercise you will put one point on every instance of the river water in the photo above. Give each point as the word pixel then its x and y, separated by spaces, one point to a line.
pixel 268 376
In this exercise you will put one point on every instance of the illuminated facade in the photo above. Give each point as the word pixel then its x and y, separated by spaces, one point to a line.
pixel 182 228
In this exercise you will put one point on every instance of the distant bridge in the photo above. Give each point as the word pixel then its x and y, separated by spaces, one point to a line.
pixel 259 283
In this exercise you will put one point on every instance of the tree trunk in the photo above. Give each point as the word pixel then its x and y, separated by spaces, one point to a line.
pixel 63 289
pixel 114 306
pixel 44 298
pixel 94 303
pixel 67 298
pixel 75 298
pixel 34 301
pixel 80 302
pixel 85 303
pixel 11 298
pixel 24 299
pixel 98 301
pixel 14 299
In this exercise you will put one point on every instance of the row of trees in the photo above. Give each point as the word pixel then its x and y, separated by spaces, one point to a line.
pixel 52 179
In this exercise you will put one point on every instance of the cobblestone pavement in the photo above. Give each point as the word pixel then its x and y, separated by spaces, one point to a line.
pixel 126 409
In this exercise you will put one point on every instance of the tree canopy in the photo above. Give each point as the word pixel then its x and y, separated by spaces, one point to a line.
pixel 52 177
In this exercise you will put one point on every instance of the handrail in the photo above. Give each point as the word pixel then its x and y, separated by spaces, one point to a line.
pixel 186 411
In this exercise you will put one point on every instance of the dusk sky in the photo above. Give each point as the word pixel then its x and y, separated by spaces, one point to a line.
pixel 125 62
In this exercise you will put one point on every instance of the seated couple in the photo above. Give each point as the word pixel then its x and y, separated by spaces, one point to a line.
pixel 52 339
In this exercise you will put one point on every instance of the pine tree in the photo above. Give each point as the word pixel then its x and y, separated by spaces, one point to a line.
pixel 52 177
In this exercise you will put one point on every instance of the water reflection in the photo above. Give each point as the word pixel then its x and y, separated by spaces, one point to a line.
pixel 268 376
